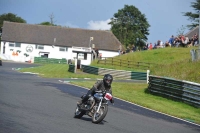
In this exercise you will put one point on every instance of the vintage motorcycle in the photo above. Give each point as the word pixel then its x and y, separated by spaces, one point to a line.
pixel 96 106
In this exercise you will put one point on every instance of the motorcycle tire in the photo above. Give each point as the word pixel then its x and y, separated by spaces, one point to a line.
pixel 103 110
pixel 78 114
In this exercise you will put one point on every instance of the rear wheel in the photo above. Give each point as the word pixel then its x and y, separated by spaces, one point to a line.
pixel 99 116
pixel 78 113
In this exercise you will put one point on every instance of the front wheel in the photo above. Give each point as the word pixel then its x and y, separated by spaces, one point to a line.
pixel 78 113
pixel 99 116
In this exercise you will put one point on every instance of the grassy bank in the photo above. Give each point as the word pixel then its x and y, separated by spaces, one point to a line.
pixel 168 62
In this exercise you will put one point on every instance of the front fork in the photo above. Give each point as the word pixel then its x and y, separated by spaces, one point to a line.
pixel 99 106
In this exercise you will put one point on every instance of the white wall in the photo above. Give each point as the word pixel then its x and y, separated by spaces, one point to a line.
pixel 88 61
pixel 108 53
pixel 53 53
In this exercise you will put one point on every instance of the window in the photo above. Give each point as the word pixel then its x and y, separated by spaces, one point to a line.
pixel 18 45
pixel 11 45
pixel 15 45
pixel 40 47
pixel 82 56
pixel 63 49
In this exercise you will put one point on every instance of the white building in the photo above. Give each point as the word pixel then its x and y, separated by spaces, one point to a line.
pixel 22 42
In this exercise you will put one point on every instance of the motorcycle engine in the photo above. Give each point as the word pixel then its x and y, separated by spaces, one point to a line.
pixel 90 101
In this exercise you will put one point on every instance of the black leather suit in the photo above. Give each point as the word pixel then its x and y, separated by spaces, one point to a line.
pixel 99 85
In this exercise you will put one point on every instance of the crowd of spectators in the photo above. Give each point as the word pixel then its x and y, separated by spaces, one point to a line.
pixel 178 41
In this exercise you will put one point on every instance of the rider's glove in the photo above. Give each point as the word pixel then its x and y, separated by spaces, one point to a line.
pixel 112 101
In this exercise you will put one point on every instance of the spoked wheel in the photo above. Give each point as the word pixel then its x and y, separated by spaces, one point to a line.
pixel 99 116
pixel 78 113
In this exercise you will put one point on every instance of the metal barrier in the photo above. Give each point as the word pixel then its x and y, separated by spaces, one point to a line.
pixel 71 68
pixel 49 60
pixel 195 53
pixel 121 74
pixel 185 91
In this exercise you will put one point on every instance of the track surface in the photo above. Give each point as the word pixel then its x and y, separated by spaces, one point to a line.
pixel 31 104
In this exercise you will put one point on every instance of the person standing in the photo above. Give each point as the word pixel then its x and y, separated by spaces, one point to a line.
pixel 171 41
pixel 120 49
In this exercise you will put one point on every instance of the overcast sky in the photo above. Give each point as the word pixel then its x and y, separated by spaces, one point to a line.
pixel 164 16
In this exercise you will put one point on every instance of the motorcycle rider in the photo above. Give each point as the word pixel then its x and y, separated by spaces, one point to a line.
pixel 104 84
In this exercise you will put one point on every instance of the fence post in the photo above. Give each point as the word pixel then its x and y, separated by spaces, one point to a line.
pixel 128 63
pixel 75 67
pixel 192 51
pixel 148 72
pixel 197 54
pixel 112 61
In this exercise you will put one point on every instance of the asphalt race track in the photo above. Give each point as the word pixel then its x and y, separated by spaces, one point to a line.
pixel 31 104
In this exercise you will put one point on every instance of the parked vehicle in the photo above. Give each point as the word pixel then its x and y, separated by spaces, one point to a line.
pixel 96 106
pixel 0 62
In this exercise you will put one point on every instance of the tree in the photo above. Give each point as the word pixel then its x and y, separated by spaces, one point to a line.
pixel 51 23
pixel 46 23
pixel 10 17
pixel 181 30
pixel 130 26
pixel 51 18
pixel 193 17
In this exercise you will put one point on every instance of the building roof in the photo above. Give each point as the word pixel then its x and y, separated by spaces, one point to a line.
pixel 58 36
pixel 192 32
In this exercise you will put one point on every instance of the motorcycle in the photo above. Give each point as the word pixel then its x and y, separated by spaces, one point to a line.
pixel 96 106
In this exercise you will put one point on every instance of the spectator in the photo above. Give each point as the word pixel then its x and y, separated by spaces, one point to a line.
pixel 186 42
pixel 158 44
pixel 100 55
pixel 177 42
pixel 150 46
pixel 144 47
pixel 171 41
pixel 97 52
pixel 167 44
pixel 94 54
pixel 133 48
pixel 155 45
pixel 195 43
pixel 147 45
pixel 162 44
pixel 120 49
pixel 127 50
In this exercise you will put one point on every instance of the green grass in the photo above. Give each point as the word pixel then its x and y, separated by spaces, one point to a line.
pixel 57 71
pixel 170 62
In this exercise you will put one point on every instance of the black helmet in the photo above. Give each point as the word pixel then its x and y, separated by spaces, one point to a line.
pixel 107 79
